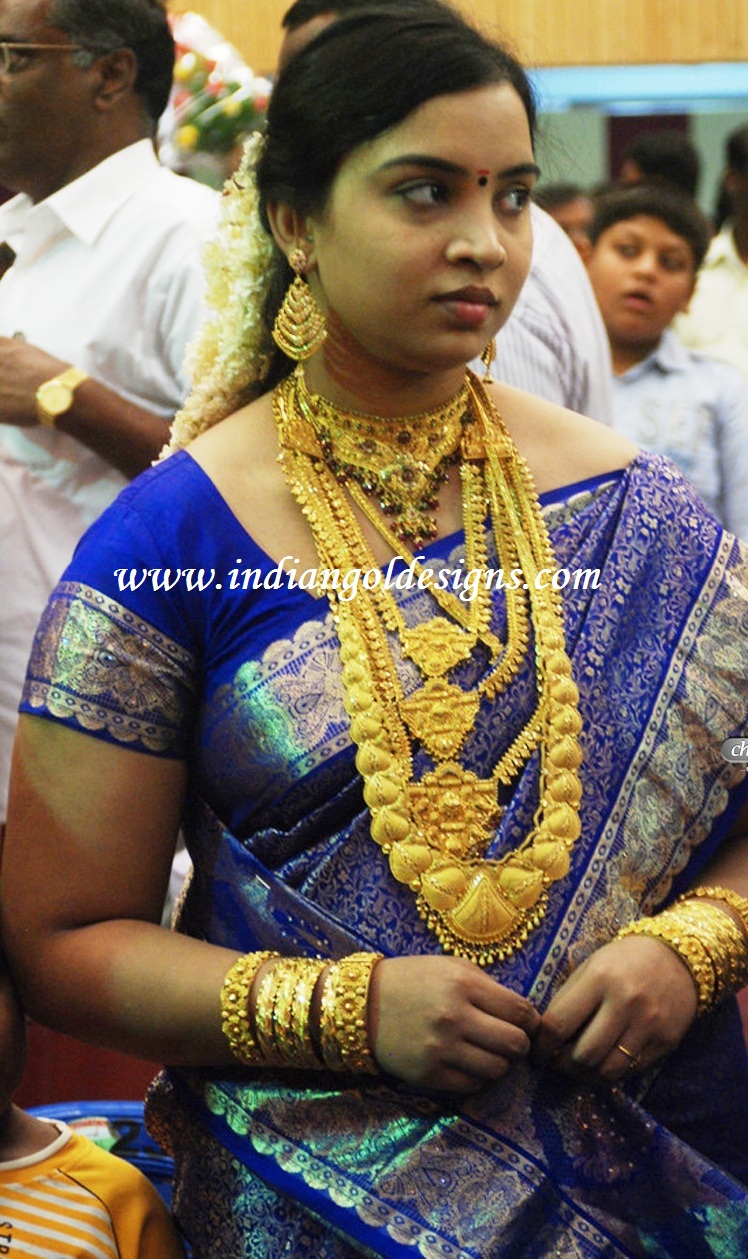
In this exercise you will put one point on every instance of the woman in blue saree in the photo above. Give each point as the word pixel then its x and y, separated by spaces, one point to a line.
pixel 455 971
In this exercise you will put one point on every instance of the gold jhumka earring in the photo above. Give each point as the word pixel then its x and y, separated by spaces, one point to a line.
pixel 487 358
pixel 299 329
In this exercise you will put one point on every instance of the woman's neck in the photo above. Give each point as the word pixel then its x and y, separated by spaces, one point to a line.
pixel 348 376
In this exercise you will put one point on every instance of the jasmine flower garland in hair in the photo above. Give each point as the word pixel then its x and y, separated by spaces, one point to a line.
pixel 229 358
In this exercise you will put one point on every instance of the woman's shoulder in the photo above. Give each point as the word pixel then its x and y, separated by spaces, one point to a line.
pixel 560 446
pixel 161 498
pixel 244 436
pixel 240 457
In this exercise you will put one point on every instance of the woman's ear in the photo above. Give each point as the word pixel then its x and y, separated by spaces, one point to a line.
pixel 290 228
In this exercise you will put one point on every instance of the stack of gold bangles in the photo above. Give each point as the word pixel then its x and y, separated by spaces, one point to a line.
pixel 274 1025
pixel 709 940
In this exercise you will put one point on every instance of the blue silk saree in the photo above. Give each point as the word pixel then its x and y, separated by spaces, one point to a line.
pixel 173 634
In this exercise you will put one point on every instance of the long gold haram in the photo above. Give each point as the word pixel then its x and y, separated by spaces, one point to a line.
pixel 435 831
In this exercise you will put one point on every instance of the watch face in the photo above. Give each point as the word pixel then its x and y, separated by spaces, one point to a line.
pixel 54 397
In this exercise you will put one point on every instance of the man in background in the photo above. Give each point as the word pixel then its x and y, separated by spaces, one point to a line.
pixel 662 157
pixel 572 208
pixel 102 288
pixel 717 319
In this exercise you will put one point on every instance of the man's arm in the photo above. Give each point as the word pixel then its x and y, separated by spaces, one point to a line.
pixel 127 436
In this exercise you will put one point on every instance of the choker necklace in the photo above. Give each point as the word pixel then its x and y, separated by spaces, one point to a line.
pixel 401 461
pixel 437 829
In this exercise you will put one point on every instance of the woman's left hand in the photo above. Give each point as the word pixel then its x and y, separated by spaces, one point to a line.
pixel 627 1006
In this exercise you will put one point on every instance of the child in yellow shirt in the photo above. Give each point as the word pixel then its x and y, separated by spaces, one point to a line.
pixel 61 1196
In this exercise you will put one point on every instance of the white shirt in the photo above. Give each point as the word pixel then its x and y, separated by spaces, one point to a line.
pixel 693 409
pixel 717 317
pixel 554 343
pixel 108 276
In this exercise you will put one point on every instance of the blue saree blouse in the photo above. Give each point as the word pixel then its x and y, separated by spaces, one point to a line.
pixel 172 633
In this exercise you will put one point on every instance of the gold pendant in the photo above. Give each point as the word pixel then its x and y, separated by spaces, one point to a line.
pixel 484 913
pixel 437 646
pixel 439 715
pixel 454 811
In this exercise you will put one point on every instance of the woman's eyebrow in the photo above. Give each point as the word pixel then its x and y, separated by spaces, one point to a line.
pixel 429 162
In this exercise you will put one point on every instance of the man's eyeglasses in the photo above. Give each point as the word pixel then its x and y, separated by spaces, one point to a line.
pixel 14 56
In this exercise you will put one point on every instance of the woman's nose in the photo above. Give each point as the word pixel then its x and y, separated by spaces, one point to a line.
pixel 478 239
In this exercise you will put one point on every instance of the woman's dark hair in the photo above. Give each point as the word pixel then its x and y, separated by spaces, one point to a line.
pixel 677 211
pixel 102 26
pixel 364 74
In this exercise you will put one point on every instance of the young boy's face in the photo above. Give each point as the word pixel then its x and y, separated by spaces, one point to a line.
pixel 643 274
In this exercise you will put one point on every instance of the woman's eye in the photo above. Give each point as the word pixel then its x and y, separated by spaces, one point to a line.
pixel 516 199
pixel 424 194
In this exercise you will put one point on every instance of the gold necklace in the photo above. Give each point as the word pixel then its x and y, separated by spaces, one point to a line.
pixel 402 460
pixel 436 830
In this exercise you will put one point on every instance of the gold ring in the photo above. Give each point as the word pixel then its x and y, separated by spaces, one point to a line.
pixel 633 1060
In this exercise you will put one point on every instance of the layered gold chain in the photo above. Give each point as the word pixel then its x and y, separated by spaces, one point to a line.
pixel 436 830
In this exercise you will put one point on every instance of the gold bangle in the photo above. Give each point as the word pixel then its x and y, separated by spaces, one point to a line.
pixel 724 941
pixel 726 894
pixel 291 1011
pixel 263 1012
pixel 235 1013
pixel 300 1026
pixel 707 940
pixel 280 1017
pixel 344 1038
pixel 690 951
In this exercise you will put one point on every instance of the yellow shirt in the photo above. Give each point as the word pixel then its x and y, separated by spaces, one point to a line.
pixel 75 1201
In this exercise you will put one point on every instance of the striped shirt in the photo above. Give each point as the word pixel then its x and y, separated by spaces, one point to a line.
pixel 73 1200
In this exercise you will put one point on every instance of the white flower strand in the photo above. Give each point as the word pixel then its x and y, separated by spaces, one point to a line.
pixel 229 358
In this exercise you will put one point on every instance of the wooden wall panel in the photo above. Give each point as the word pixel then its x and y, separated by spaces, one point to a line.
pixel 611 32
pixel 544 32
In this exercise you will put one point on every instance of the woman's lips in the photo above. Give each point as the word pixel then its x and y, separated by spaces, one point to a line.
pixel 469 306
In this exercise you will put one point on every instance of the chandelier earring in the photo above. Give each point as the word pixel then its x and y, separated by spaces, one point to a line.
pixel 299 329
pixel 487 358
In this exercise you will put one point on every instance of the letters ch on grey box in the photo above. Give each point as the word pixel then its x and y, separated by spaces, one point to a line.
pixel 735 750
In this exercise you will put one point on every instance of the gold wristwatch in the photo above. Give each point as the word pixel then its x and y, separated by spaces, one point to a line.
pixel 55 396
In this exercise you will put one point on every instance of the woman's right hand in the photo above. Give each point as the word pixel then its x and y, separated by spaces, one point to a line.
pixel 442 1024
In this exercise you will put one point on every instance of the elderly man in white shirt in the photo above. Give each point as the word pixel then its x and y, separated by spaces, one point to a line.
pixel 104 291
